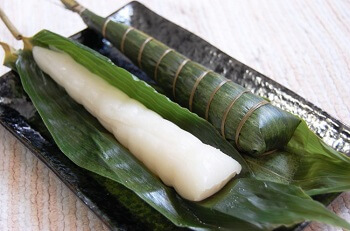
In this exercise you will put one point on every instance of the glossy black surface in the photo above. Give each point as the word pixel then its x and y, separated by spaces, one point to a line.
pixel 18 115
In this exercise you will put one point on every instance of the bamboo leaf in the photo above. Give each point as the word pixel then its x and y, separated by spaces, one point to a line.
pixel 322 169
pixel 243 204
pixel 307 162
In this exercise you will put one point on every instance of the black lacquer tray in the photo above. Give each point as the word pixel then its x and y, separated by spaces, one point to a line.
pixel 18 115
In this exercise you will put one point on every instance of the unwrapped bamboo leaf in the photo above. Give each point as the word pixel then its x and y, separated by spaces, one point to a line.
pixel 247 121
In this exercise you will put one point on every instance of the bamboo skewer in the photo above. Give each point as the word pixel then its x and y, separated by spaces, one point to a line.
pixel 10 53
pixel 16 34
pixel 73 5
pixel 10 26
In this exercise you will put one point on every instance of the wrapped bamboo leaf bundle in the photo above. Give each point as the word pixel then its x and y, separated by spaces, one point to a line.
pixel 248 121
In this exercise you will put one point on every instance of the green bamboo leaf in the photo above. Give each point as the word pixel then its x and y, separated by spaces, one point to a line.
pixel 322 169
pixel 307 162
pixel 243 204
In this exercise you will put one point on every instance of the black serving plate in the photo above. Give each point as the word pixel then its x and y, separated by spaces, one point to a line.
pixel 18 115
